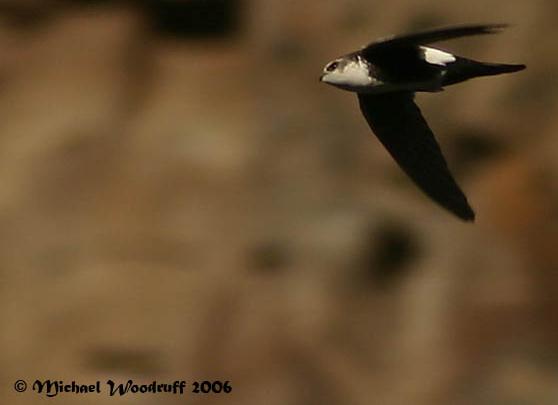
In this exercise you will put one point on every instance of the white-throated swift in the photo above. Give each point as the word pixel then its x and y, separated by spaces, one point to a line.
pixel 386 74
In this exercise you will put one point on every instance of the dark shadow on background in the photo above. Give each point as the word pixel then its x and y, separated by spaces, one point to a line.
pixel 197 19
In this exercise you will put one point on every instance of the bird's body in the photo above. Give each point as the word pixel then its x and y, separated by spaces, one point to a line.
pixel 386 74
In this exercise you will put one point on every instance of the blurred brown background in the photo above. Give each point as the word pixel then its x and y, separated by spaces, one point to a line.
pixel 180 198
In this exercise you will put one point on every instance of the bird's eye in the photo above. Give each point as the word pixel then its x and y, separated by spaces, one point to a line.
pixel 332 66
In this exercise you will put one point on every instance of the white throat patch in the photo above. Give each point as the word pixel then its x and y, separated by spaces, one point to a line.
pixel 351 74
pixel 356 73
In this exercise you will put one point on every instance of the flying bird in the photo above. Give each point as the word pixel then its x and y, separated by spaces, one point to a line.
pixel 386 74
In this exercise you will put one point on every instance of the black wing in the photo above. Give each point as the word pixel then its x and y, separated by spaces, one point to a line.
pixel 399 59
pixel 427 37
pixel 398 123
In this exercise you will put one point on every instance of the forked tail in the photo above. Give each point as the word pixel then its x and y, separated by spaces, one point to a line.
pixel 464 69
pixel 490 69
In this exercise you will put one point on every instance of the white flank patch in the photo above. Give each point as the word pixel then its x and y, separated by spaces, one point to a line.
pixel 437 57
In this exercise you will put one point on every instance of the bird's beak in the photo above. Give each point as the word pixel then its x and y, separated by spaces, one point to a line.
pixel 322 78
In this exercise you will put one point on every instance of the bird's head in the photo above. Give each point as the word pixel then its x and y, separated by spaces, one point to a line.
pixel 349 73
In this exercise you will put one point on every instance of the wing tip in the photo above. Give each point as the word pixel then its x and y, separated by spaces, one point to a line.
pixel 470 217
pixel 466 214
pixel 494 28
pixel 459 207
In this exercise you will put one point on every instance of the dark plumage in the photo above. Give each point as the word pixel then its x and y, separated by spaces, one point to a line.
pixel 386 74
